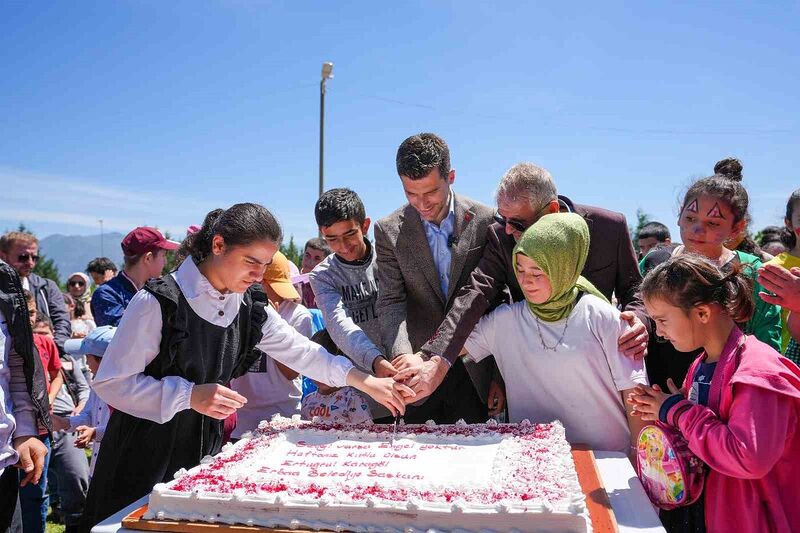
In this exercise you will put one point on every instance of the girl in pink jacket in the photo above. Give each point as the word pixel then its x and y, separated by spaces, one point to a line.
pixel 739 407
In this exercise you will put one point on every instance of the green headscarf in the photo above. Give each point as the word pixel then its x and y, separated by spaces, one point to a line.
pixel 559 243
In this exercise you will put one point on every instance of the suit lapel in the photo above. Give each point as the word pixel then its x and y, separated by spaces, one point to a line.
pixel 463 233
pixel 413 243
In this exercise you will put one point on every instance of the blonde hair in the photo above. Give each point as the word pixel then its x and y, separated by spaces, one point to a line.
pixel 8 240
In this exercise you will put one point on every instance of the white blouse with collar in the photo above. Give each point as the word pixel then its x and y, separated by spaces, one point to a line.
pixel 121 383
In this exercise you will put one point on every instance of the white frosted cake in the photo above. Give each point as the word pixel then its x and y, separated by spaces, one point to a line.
pixel 302 475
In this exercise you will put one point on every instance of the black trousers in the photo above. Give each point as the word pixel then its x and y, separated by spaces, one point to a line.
pixel 10 514
pixel 455 399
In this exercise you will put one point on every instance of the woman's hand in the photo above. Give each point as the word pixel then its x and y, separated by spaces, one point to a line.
pixel 386 391
pixel 215 400
pixel 647 401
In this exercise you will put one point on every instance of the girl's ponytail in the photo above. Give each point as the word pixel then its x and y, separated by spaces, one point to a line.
pixel 738 297
pixel 198 244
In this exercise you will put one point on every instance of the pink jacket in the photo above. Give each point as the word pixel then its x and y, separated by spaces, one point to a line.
pixel 747 436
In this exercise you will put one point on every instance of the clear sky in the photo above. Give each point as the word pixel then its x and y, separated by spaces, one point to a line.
pixel 154 112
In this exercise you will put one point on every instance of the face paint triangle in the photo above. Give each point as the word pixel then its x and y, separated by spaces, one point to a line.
pixel 715 212
pixel 692 207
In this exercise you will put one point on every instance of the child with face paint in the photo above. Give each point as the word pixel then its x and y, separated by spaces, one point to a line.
pixel 713 210
pixel 789 260
pixel 557 350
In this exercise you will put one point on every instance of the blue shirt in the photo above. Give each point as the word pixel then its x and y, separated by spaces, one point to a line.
pixel 701 383
pixel 110 300
pixel 439 243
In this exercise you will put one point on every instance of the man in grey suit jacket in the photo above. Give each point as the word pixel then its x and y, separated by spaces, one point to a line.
pixel 426 251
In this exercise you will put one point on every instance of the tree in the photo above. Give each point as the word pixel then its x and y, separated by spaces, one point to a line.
pixel 292 252
pixel 45 267
pixel 642 219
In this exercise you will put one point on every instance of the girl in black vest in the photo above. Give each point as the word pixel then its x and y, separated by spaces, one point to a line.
pixel 180 340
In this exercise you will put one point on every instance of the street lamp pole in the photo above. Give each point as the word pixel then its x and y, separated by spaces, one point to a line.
pixel 327 73
pixel 101 238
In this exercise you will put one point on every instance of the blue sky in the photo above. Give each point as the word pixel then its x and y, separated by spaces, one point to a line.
pixel 151 112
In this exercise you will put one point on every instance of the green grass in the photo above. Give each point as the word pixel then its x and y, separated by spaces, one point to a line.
pixel 54 528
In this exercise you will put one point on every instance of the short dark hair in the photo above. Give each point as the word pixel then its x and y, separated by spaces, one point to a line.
pixel 80 309
pixel 337 205
pixel 45 321
pixel 789 238
pixel 655 230
pixel 99 265
pixel 28 295
pixel 318 244
pixel 420 154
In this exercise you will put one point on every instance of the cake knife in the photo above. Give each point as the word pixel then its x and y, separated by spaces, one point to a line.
pixel 394 429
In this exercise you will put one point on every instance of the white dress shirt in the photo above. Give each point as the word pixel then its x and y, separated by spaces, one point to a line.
pixel 123 385
pixel 95 414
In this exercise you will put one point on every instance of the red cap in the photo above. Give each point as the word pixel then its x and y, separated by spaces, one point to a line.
pixel 144 239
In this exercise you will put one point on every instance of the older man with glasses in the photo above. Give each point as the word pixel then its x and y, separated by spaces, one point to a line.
pixel 525 194
pixel 21 251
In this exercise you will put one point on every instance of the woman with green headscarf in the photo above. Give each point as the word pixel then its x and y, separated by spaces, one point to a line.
pixel 558 350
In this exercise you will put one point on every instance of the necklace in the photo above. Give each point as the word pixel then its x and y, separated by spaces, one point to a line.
pixel 541 337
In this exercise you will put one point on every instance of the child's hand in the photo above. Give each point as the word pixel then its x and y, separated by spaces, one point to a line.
pixel 383 368
pixel 85 436
pixel 216 400
pixel 387 392
pixel 497 398
pixel 407 360
pixel 647 401
pixel 60 423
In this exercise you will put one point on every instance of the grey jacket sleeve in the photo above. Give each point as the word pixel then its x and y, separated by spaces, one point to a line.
pixel 391 306
pixel 24 409
pixel 349 338
pixel 59 315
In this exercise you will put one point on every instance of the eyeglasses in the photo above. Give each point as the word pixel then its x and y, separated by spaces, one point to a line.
pixel 77 283
pixel 516 224
pixel 25 257
pixel 500 219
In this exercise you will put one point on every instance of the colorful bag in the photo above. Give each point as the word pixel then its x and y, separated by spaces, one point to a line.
pixel 671 474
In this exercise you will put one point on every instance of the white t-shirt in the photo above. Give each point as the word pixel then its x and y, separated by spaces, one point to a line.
pixel 578 384
pixel 343 406
pixel 267 390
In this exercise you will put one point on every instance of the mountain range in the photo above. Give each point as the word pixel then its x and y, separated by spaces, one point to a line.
pixel 71 253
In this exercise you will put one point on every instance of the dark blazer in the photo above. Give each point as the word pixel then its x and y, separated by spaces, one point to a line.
pixel 410 301
pixel 611 266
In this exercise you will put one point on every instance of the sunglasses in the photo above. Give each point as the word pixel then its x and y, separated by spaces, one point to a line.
pixel 25 257
pixel 503 221
pixel 77 283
